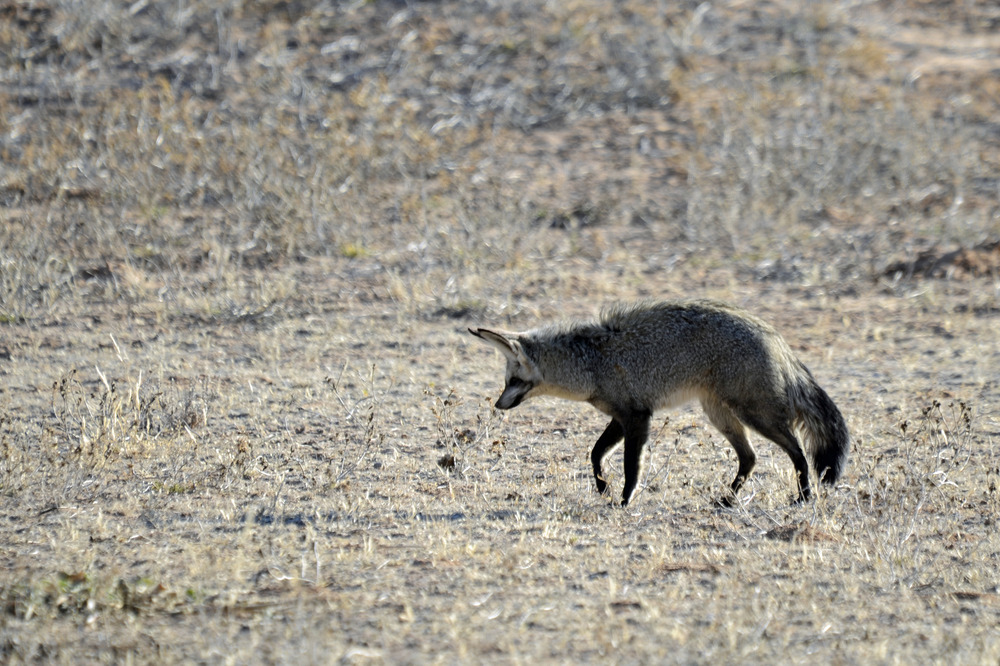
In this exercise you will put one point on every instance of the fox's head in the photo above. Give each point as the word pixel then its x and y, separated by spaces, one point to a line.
pixel 523 374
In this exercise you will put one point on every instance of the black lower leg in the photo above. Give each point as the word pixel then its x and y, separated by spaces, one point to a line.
pixel 607 441
pixel 636 433
pixel 802 475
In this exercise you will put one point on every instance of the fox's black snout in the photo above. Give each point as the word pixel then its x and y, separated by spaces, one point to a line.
pixel 508 404
pixel 513 394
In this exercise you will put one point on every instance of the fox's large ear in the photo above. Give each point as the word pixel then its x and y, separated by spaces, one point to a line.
pixel 506 342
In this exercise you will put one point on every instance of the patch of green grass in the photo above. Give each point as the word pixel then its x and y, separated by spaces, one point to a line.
pixel 352 251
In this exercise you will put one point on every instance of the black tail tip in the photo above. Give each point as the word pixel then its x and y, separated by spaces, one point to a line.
pixel 830 473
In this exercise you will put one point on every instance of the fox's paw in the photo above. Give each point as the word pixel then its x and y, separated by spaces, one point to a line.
pixel 602 485
pixel 727 501
pixel 801 498
pixel 628 495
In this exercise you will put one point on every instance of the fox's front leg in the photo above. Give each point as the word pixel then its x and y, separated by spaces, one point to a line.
pixel 636 427
pixel 605 443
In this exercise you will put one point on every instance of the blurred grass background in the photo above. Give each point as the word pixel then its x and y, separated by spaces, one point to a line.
pixel 154 141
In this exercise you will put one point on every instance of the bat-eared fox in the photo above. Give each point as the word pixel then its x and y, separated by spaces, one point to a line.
pixel 639 358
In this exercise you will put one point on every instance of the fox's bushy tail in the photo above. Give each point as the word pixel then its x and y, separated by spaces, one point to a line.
pixel 817 417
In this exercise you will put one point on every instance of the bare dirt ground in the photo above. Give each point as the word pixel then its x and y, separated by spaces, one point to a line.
pixel 242 422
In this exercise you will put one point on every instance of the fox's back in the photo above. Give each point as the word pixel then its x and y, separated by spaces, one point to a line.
pixel 655 354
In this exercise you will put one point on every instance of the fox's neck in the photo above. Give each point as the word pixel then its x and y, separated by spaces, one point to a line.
pixel 565 369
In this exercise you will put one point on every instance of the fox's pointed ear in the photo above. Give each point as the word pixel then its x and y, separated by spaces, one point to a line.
pixel 505 342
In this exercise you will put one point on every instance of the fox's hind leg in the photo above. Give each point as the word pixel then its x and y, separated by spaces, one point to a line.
pixel 605 443
pixel 774 424
pixel 733 429
pixel 636 425
pixel 783 437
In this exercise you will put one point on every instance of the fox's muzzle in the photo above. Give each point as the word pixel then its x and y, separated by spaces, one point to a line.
pixel 513 394
pixel 506 402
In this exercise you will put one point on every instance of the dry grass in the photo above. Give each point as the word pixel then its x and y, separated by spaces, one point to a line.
pixel 239 242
